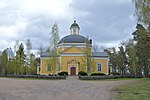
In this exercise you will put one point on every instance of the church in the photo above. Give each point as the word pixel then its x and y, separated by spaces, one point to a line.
pixel 74 54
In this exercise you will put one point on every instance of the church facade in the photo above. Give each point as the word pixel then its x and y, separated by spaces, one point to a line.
pixel 74 54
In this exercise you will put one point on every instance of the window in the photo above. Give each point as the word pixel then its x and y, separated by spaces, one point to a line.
pixel 99 67
pixel 48 67
pixel 74 31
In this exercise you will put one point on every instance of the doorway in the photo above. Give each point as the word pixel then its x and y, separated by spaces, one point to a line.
pixel 73 71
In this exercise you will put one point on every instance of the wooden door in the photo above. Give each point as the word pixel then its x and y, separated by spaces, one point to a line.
pixel 73 71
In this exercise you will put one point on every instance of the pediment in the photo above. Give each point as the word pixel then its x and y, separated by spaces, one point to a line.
pixel 73 49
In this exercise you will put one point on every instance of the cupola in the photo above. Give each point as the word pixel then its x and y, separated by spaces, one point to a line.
pixel 74 29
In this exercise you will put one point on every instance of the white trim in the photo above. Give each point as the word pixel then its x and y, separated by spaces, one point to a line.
pixel 101 66
pixel 72 54
pixel 69 69
pixel 72 43
pixel 47 57
pixel 107 67
pixel 71 46
pixel 60 64
pixel 105 58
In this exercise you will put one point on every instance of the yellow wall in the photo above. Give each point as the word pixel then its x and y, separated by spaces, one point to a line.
pixel 65 59
pixel 64 65
pixel 44 62
pixel 104 63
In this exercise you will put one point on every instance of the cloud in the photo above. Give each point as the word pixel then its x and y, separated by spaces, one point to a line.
pixel 106 22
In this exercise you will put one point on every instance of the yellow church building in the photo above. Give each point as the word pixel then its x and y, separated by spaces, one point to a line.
pixel 74 54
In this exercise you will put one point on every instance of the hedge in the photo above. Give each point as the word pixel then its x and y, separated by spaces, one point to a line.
pixel 63 73
pixel 107 77
pixel 36 76
pixel 97 74
pixel 82 73
pixel 115 73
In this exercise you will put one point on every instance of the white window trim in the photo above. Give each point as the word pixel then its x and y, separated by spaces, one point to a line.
pixel 101 66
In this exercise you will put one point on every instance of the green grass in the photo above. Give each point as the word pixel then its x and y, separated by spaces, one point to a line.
pixel 116 79
pixel 137 91
pixel 31 78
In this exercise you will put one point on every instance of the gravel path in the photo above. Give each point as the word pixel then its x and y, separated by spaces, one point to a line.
pixel 70 89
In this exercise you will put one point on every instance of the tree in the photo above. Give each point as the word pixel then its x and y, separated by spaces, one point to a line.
pixel 87 61
pixel 122 60
pixel 131 51
pixel 28 47
pixel 141 37
pixel 113 58
pixel 54 39
pixel 95 47
pixel 16 47
pixel 4 63
pixel 142 9
pixel 33 64
pixel 40 50
pixel 20 58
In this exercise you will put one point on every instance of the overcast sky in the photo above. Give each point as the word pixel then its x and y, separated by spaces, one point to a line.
pixel 107 22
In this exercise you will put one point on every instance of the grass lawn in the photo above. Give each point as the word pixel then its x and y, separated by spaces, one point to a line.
pixel 138 91
pixel 31 78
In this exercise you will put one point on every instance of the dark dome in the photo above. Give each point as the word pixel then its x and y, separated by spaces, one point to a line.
pixel 75 25
pixel 73 39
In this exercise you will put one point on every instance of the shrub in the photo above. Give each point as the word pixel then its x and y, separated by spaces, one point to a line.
pixel 115 73
pixel 63 73
pixel 82 73
pixel 97 74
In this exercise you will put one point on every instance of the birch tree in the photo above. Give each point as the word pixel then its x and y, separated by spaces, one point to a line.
pixel 54 39
pixel 28 48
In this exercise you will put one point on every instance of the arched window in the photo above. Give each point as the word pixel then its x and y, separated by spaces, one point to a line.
pixel 99 67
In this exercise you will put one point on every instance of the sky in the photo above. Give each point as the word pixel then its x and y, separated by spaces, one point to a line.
pixel 106 22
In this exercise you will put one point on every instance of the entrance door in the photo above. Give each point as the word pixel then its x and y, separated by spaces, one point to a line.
pixel 73 71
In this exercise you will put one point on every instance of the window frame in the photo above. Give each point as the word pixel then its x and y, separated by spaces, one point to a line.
pixel 99 68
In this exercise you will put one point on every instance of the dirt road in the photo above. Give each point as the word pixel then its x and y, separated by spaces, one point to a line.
pixel 70 89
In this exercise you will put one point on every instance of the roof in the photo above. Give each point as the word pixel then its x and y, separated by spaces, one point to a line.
pixel 99 54
pixel 75 25
pixel 73 39
pixel 45 54
pixel 94 54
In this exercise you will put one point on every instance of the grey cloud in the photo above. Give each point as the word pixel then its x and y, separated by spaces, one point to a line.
pixel 108 19
pixel 105 21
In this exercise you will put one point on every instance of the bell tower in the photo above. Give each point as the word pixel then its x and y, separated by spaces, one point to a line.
pixel 74 29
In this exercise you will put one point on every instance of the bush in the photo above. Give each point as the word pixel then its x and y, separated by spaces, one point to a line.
pixel 97 74
pixel 115 73
pixel 63 73
pixel 82 73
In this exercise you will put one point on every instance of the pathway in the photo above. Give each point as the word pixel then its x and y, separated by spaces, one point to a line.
pixel 69 89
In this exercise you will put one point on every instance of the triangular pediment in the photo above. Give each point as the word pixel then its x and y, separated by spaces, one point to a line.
pixel 73 49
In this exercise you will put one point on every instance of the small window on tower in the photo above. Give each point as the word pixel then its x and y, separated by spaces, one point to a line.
pixel 74 31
